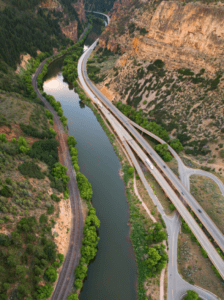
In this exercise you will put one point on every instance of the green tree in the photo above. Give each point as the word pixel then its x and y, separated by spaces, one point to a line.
pixel 51 274
pixel 3 138
pixel 78 284
pixel 44 292
pixel 162 150
pixel 131 170
pixel 176 145
pixel 22 141
pixel 73 297
pixel 191 295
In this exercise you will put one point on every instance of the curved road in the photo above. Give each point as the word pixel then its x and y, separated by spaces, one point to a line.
pixel 178 286
pixel 66 277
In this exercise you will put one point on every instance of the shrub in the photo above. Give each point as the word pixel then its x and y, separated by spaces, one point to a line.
pixel 6 191
pixel 31 131
pixel 50 210
pixel 51 274
pixel 71 141
pixel 46 151
pixel 159 63
pixel 45 291
pixel 221 153
pixel 31 169
pixel 203 252
pixel 55 198
pixel 191 295
pixel 3 138
pixel 84 186
pixel 172 207
pixel 73 297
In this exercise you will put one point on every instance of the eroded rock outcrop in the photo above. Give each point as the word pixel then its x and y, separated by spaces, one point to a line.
pixel 190 35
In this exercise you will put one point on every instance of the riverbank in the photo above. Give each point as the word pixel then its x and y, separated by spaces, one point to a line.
pixel 144 287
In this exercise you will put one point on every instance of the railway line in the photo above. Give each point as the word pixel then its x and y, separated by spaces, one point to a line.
pixel 66 277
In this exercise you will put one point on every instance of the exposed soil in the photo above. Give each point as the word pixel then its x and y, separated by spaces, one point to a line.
pixel 195 268
pixel 208 194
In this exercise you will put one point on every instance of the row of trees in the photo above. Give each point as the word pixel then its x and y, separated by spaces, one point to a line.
pixel 88 249
pixel 138 117
pixel 90 238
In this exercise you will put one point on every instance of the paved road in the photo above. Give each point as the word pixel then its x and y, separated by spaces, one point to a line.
pixel 66 278
pixel 208 295
pixel 204 218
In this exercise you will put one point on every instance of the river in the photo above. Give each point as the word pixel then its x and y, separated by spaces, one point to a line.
pixel 113 273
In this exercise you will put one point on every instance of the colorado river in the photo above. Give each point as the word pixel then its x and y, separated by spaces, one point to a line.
pixel 113 274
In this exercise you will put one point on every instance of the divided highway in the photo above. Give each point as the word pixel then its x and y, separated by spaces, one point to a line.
pixel 217 235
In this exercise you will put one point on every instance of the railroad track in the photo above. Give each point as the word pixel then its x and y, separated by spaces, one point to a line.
pixel 66 277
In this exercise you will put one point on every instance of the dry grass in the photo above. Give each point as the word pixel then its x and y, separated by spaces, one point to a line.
pixel 152 286
pixel 173 164
pixel 208 194
pixel 17 109
pixel 195 268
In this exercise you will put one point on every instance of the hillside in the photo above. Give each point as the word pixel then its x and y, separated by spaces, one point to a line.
pixel 171 66
pixel 31 26
pixel 35 211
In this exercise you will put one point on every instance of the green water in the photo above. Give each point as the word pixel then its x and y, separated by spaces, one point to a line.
pixel 113 274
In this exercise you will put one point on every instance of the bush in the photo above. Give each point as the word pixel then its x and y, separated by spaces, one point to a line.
pixel 84 186
pixel 73 297
pixel 203 252
pixel 31 131
pixel 71 141
pixel 50 210
pixel 3 138
pixel 45 291
pixel 172 207
pixel 51 274
pixel 159 63
pixel 46 151
pixel 31 169
pixel 191 295
pixel 55 198
pixel 162 150
pixel 221 153
pixel 6 191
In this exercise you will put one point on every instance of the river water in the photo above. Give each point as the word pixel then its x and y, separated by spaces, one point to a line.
pixel 113 273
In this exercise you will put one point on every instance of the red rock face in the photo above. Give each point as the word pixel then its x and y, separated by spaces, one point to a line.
pixel 79 7
pixel 71 31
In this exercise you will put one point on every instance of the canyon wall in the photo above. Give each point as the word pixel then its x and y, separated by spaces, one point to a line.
pixel 80 9
pixel 190 35
pixel 70 30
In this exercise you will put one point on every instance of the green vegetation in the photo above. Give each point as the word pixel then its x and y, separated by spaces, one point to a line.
pixel 162 150
pixel 90 238
pixel 25 31
pixel 192 295
pixel 17 261
pixel 140 119
pixel 31 169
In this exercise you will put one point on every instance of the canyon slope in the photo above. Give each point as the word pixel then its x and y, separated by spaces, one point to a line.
pixel 170 66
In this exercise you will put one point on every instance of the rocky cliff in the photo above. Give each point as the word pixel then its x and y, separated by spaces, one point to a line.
pixel 80 9
pixel 190 35
pixel 70 30
pixel 52 4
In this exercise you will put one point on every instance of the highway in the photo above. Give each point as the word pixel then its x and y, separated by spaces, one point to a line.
pixel 92 91
pixel 203 217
